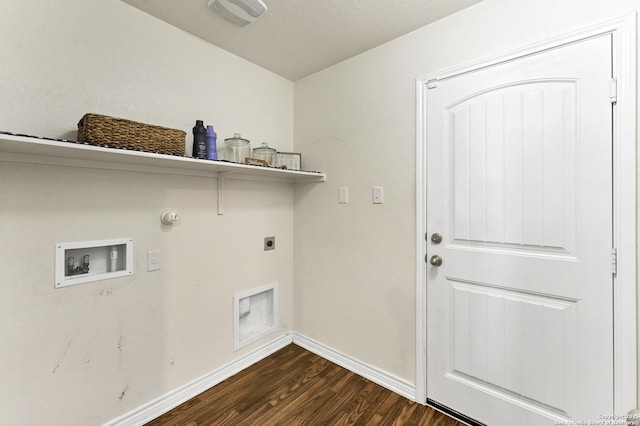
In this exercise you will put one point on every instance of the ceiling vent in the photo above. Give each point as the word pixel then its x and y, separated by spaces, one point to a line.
pixel 240 12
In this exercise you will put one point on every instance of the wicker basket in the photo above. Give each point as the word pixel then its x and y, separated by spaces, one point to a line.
pixel 102 130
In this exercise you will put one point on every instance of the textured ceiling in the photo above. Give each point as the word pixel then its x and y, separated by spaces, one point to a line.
pixel 296 38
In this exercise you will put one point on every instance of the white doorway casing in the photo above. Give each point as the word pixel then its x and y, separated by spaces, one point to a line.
pixel 623 32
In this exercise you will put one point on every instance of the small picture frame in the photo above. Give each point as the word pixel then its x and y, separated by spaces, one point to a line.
pixel 289 160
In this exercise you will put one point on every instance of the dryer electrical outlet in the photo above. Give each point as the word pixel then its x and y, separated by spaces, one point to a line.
pixel 269 243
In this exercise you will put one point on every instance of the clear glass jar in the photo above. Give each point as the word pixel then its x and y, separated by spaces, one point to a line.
pixel 265 153
pixel 237 149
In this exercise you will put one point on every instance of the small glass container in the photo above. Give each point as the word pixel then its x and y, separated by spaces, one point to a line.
pixel 265 153
pixel 237 149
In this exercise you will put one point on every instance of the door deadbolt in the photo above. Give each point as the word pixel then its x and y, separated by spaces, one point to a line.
pixel 435 260
pixel 436 238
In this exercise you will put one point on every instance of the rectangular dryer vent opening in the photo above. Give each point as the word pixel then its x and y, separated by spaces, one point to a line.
pixel 255 314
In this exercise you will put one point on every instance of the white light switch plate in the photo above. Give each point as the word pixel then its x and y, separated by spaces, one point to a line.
pixel 378 195
pixel 343 195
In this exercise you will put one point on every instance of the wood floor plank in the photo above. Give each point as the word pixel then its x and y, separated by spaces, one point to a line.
pixel 294 387
pixel 297 404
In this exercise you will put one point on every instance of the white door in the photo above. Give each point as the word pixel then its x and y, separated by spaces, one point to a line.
pixel 519 186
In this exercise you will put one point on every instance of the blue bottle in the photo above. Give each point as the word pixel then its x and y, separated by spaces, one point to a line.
pixel 210 140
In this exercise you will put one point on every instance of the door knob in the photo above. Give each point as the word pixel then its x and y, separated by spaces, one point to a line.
pixel 435 260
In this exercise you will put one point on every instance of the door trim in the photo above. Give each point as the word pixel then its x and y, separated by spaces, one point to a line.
pixel 624 205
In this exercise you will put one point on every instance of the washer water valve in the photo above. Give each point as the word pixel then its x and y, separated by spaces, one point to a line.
pixel 169 217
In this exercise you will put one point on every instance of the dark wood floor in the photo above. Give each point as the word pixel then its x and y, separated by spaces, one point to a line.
pixel 296 387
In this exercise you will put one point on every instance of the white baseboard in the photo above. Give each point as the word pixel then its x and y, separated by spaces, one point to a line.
pixel 384 379
pixel 167 402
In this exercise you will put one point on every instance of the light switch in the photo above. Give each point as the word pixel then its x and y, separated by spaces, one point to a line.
pixel 343 195
pixel 378 195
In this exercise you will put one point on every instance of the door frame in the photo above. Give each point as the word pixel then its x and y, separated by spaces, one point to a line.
pixel 624 205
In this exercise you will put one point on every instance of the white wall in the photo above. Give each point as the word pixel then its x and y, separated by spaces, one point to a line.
pixel 355 263
pixel 86 354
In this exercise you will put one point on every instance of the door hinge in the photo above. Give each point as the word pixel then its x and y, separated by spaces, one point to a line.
pixel 432 84
pixel 614 261
pixel 613 90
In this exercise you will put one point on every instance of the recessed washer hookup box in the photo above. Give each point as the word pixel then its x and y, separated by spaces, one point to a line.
pixel 86 261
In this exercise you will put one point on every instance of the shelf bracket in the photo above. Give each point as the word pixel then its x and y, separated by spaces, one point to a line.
pixel 221 193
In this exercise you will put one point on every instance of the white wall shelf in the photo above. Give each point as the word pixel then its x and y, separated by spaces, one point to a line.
pixel 25 149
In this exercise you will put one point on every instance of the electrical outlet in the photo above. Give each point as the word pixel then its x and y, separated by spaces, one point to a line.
pixel 153 260
pixel 269 243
